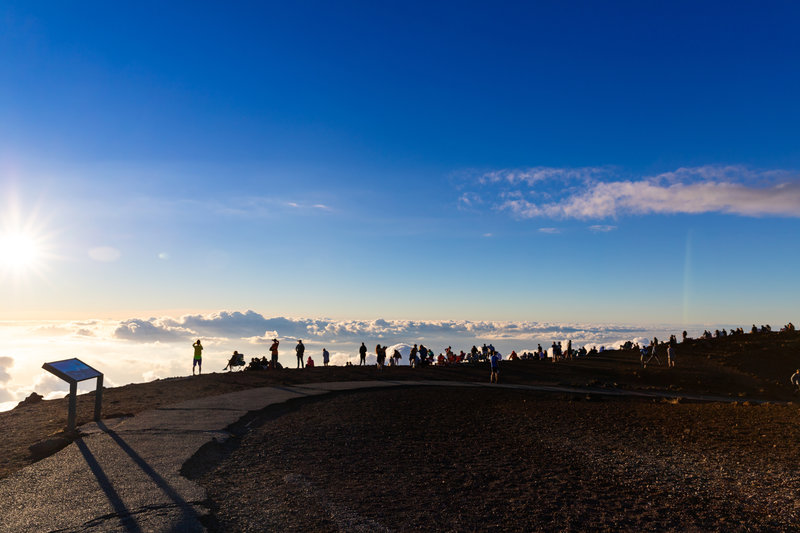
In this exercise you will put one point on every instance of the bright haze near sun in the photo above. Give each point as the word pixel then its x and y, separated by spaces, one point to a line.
pixel 24 248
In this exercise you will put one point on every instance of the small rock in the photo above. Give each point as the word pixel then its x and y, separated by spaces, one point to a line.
pixel 30 400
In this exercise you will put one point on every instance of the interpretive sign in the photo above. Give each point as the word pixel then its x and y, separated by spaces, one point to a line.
pixel 72 371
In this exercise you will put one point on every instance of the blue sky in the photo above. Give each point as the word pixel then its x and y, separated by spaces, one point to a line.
pixel 633 163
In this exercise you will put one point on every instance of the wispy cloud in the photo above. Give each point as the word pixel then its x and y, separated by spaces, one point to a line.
pixel 598 193
pixel 549 231
pixel 469 200
pixel 534 175
pixel 601 228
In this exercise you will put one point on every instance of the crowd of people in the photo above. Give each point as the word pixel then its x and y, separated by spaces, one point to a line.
pixel 421 356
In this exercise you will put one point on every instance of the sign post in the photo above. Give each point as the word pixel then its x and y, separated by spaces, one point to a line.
pixel 73 371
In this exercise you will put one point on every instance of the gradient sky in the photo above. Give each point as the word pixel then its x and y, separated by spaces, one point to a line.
pixel 552 161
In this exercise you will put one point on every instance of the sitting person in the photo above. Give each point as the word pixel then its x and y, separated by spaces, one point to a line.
pixel 310 362
pixel 237 359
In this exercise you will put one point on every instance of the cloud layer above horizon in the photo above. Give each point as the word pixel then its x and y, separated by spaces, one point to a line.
pixel 604 192
pixel 258 329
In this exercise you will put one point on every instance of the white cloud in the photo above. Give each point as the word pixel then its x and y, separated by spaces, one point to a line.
pixel 550 231
pixel 597 193
pixel 534 175
pixel 5 377
pixel 105 254
pixel 255 329
pixel 469 200
pixel 152 330
pixel 602 228
pixel 48 386
pixel 5 364
pixel 604 200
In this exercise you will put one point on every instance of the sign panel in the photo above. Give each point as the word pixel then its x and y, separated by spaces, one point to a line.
pixel 72 370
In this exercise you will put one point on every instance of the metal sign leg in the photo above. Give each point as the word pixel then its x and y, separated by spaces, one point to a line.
pixel 73 406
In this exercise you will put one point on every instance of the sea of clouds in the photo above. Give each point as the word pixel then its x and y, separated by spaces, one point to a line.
pixel 144 349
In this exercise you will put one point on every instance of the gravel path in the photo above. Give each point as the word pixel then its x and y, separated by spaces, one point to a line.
pixel 461 459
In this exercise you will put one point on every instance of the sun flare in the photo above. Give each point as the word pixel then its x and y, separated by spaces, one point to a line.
pixel 19 252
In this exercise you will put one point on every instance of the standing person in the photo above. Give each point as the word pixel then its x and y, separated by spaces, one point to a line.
pixel 300 349
pixel 362 352
pixel 198 357
pixel 274 351
pixel 670 356
pixel 495 362
pixel 326 357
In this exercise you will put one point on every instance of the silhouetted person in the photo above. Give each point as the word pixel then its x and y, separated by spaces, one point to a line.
pixel 380 352
pixel 273 350
pixel 237 359
pixel 495 362
pixel 670 356
pixel 362 353
pixel 198 357
pixel 326 357
pixel 795 379
pixel 300 349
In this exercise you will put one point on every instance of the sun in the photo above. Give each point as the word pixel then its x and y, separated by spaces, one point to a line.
pixel 19 252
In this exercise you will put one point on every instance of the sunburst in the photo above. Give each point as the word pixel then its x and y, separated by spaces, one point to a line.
pixel 24 244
